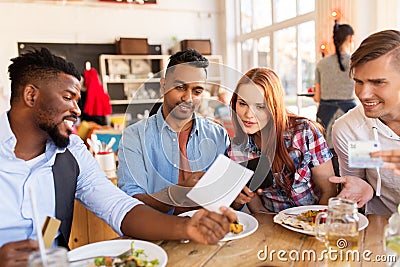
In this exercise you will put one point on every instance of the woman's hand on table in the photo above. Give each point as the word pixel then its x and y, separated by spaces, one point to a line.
pixel 15 254
pixel 208 227
pixel 256 205
pixel 354 188
pixel 243 198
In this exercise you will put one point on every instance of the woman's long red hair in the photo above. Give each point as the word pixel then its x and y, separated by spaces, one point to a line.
pixel 281 118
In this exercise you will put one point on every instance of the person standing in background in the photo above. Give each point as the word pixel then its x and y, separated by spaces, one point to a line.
pixel 334 90
pixel 222 112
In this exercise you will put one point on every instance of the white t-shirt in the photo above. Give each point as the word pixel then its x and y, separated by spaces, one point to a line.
pixel 354 125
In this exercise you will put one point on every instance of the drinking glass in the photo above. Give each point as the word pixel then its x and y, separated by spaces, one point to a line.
pixel 340 230
pixel 56 257
pixel 392 240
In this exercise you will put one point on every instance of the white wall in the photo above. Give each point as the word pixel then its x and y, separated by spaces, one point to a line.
pixel 90 21
pixel 375 15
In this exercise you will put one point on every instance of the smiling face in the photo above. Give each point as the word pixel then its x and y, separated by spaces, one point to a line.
pixel 56 109
pixel 182 90
pixel 377 85
pixel 251 108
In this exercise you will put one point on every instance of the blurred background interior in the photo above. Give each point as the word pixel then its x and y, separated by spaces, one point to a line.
pixel 128 42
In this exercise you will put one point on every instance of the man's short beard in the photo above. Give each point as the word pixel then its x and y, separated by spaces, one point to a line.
pixel 59 140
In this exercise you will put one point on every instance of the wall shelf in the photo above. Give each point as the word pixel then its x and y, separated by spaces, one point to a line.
pixel 135 80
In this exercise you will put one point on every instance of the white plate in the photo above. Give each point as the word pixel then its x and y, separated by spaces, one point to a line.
pixel 250 225
pixel 114 248
pixel 362 224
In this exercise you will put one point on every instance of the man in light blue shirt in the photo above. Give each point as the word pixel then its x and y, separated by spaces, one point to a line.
pixel 35 134
pixel 168 147
pixel 37 174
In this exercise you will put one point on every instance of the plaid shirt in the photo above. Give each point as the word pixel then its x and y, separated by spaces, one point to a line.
pixel 309 143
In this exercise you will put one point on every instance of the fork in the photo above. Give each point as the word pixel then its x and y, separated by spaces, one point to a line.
pixel 126 253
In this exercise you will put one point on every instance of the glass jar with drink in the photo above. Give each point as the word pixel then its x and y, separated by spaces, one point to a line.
pixel 340 230
pixel 392 240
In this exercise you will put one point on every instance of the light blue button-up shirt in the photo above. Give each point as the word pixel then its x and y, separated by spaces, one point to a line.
pixel 94 190
pixel 149 153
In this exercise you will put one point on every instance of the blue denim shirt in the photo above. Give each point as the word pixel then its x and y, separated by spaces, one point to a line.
pixel 149 153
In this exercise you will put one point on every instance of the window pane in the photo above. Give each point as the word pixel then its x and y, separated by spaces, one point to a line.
pixel 306 6
pixel 286 58
pixel 264 52
pixel 307 53
pixel 262 13
pixel 284 9
pixel 307 62
pixel 245 15
pixel 247 54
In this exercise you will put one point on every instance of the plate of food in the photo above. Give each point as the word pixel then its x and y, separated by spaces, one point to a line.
pixel 118 253
pixel 245 226
pixel 302 219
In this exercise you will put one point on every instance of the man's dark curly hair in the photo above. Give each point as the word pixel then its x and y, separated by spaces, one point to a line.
pixel 36 65
pixel 189 56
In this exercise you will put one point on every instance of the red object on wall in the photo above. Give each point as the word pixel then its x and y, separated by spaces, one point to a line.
pixel 97 101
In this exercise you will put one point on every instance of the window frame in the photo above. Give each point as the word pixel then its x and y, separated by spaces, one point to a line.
pixel 270 32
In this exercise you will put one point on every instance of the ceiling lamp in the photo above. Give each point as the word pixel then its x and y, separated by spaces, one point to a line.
pixel 336 15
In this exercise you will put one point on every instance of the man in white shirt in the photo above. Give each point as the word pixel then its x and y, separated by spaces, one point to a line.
pixel 375 68
pixel 36 130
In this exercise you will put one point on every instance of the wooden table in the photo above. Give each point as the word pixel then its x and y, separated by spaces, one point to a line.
pixel 271 236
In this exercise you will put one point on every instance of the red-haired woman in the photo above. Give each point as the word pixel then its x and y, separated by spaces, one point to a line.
pixel 300 156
